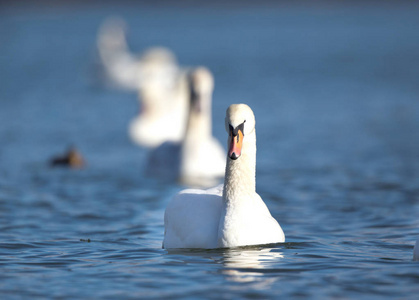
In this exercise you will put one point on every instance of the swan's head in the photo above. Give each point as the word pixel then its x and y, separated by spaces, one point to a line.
pixel 201 84
pixel 111 38
pixel 239 122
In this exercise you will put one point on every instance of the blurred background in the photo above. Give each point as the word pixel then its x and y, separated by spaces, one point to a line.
pixel 331 75
pixel 334 88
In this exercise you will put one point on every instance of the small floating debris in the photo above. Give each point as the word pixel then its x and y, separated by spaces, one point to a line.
pixel 72 158
pixel 83 240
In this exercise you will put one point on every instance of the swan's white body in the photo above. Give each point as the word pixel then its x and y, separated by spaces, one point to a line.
pixel 158 79
pixel 192 218
pixel 416 251
pixel 199 159
pixel 164 101
pixel 229 215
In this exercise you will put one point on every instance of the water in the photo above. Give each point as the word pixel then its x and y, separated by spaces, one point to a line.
pixel 335 92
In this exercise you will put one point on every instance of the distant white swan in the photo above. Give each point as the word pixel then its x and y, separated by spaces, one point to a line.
pixel 163 96
pixel 199 159
pixel 156 76
pixel 121 67
pixel 416 251
pixel 230 215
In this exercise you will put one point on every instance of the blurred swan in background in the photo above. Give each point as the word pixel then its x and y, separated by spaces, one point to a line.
pixel 225 216
pixel 157 77
pixel 163 96
pixel 120 65
pixel 416 251
pixel 199 159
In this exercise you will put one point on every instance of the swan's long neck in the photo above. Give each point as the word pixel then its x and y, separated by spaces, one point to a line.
pixel 240 177
pixel 193 147
pixel 199 122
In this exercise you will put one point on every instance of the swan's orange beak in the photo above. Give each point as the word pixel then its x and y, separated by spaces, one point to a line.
pixel 235 143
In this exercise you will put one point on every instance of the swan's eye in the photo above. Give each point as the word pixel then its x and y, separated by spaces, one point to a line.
pixel 240 127
pixel 235 131
pixel 231 129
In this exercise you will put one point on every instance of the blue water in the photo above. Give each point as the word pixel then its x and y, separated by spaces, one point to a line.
pixel 335 91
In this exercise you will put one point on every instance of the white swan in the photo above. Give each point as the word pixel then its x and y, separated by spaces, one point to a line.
pixel 157 77
pixel 121 67
pixel 163 96
pixel 199 159
pixel 230 215
pixel 124 69
pixel 416 251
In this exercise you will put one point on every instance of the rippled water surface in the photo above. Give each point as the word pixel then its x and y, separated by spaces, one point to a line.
pixel 336 96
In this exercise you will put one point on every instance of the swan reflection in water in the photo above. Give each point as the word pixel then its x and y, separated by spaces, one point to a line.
pixel 249 264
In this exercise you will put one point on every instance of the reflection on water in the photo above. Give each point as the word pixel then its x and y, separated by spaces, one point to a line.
pixel 247 264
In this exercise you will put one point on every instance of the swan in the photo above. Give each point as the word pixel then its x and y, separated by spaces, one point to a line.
pixel 123 68
pixel 416 251
pixel 199 159
pixel 158 79
pixel 163 96
pixel 228 215
pixel 120 66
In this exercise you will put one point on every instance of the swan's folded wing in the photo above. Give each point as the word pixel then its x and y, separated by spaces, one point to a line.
pixel 191 219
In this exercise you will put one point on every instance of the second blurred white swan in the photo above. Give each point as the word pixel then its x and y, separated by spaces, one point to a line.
pixel 199 159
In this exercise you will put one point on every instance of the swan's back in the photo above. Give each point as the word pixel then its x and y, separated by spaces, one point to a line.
pixel 191 219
